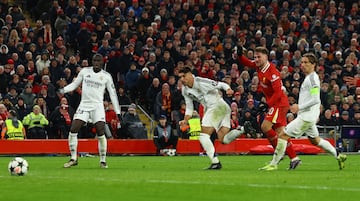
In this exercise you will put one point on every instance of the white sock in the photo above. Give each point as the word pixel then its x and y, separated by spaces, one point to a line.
pixel 279 151
pixel 327 147
pixel 102 146
pixel 73 143
pixel 208 147
pixel 231 136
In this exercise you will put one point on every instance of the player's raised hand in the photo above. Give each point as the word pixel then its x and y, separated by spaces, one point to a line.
pixel 229 91
pixel 351 81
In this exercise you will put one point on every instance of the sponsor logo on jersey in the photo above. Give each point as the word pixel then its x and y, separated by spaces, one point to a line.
pixel 274 77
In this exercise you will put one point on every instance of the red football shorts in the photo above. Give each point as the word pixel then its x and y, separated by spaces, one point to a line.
pixel 277 115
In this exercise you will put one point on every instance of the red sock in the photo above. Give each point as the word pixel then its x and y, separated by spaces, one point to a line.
pixel 272 137
pixel 290 150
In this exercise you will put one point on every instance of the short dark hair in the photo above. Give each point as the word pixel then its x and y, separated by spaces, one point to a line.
pixel 185 69
pixel 97 55
pixel 312 58
pixel 13 113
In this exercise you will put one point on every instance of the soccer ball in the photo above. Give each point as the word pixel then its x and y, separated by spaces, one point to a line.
pixel 18 166
pixel 171 152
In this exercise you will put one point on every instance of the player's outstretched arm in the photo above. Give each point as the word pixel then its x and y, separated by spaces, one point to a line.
pixel 352 81
pixel 74 85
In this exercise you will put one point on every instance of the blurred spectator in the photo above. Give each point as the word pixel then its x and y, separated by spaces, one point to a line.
pixel 250 107
pixel 40 101
pixel 22 109
pixel 56 71
pixel 13 128
pixel 16 83
pixel 42 62
pixel 163 102
pixel 328 119
pixel 27 95
pixel 3 114
pixel 143 85
pixel 345 119
pixel 234 121
pixel 131 79
pixel 164 136
pixel 12 95
pixel 357 117
pixel 131 125
pixel 248 116
pixel 124 99
pixel 3 82
pixel 151 94
pixel 112 120
pixel 35 123
pixel 61 119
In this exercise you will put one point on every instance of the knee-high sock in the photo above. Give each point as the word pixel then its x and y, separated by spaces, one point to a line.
pixel 279 151
pixel 208 146
pixel 102 146
pixel 231 136
pixel 73 143
pixel 327 147
pixel 273 139
pixel 290 150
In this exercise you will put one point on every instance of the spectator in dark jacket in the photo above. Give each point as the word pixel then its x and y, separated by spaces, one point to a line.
pixel 83 37
pixel 151 93
pixel 72 30
pixel 131 78
pixel 164 136
pixel 114 64
pixel 27 96
pixel 143 84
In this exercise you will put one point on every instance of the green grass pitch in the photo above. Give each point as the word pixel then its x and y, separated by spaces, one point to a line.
pixel 181 178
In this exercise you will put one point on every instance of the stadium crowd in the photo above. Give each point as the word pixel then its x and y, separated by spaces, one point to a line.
pixel 146 42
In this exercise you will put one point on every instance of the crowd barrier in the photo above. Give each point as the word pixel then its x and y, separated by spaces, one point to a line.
pixel 128 146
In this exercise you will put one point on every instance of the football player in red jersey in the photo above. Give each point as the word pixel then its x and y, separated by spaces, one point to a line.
pixel 271 86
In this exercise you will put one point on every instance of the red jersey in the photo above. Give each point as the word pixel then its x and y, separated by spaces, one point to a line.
pixel 269 82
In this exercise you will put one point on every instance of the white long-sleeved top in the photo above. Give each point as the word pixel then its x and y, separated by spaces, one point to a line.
pixel 309 98
pixel 93 89
pixel 204 91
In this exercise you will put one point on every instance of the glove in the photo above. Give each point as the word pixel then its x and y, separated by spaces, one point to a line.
pixel 240 50
pixel 263 107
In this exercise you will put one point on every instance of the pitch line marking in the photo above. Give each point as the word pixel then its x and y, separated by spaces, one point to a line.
pixel 299 187
pixel 260 185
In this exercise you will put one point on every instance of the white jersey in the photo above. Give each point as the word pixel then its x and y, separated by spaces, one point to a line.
pixel 93 89
pixel 309 98
pixel 204 91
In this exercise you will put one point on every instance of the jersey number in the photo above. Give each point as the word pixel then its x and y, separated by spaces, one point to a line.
pixel 271 111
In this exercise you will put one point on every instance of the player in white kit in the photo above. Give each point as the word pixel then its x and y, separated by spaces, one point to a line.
pixel 308 114
pixel 217 111
pixel 93 80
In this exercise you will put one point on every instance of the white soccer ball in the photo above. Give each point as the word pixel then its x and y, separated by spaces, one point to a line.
pixel 171 152
pixel 18 166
